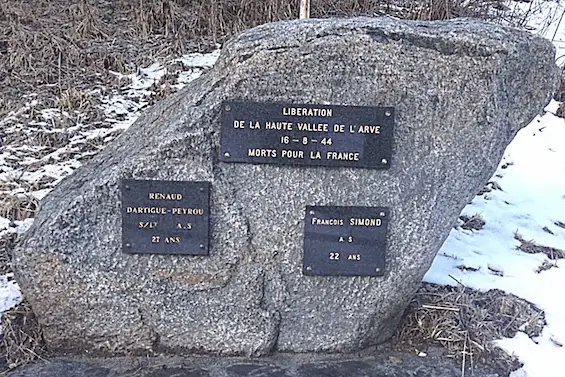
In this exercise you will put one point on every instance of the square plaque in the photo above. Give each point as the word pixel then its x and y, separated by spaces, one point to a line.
pixel 165 217
pixel 307 135
pixel 345 241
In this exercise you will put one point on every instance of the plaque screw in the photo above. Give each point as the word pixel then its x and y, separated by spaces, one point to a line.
pixel 201 246
pixel 128 244
pixel 127 187
pixel 308 268
pixel 382 214
pixel 388 113
pixel 384 161
pixel 377 269
pixel 201 189
pixel 228 107
pixel 312 212
pixel 227 155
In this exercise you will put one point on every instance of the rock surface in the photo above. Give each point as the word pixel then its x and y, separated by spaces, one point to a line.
pixel 461 90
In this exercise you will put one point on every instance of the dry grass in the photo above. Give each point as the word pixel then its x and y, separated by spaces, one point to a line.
pixel 442 10
pixel 531 247
pixel 475 222
pixel 7 242
pixel 23 340
pixel 18 207
pixel 465 322
pixel 61 48
pixel 546 265
pixel 52 140
pixel 74 99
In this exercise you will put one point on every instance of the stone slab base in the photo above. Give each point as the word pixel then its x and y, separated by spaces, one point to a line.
pixel 385 364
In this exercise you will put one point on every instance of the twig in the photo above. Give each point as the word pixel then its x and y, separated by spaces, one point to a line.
pixel 464 354
pixel 559 24
pixel 479 346
pixel 458 282
pixel 424 306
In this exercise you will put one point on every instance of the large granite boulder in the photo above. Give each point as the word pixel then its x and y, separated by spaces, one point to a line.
pixel 461 90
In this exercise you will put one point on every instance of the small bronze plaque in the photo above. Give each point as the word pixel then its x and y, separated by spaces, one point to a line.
pixel 345 241
pixel 311 135
pixel 165 217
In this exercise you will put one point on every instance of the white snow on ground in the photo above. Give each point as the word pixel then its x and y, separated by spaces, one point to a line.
pixel 527 195
pixel 10 294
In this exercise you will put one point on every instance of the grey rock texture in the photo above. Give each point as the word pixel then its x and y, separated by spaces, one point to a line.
pixel 461 90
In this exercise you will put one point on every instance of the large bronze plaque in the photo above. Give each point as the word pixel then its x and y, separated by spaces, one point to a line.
pixel 165 217
pixel 345 241
pixel 312 135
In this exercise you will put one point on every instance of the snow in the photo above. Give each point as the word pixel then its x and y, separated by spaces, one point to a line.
pixel 10 294
pixel 526 197
pixel 4 223
pixel 200 60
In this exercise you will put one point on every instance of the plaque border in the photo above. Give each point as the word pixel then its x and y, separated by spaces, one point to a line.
pixel 204 246
pixel 386 140
pixel 378 268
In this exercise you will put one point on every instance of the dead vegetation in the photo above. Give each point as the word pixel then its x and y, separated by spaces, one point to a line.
pixel 62 49
pixel 7 242
pixel 18 207
pixel 531 247
pixel 475 222
pixel 23 340
pixel 489 187
pixel 466 322
pixel 546 265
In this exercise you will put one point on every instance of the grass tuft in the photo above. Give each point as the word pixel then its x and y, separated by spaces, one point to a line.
pixel 7 243
pixel 23 339
pixel 531 247
pixel 18 206
pixel 475 222
pixel 546 265
pixel 466 322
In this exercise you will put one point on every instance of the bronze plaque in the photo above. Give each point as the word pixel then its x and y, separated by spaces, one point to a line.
pixel 345 241
pixel 165 217
pixel 308 135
